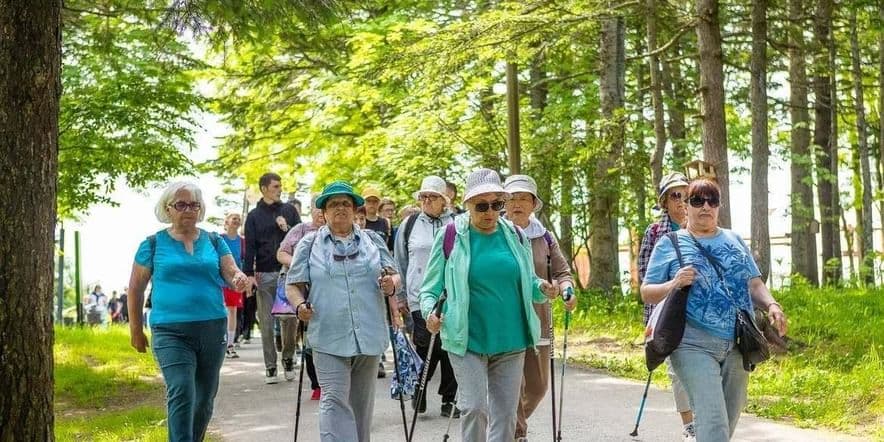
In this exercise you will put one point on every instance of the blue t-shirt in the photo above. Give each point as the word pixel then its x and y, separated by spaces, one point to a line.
pixel 235 246
pixel 185 287
pixel 709 306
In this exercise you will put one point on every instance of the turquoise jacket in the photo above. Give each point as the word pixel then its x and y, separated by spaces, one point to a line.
pixel 452 276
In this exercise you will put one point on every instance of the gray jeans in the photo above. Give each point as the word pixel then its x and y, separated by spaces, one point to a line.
pixel 266 293
pixel 488 394
pixel 347 402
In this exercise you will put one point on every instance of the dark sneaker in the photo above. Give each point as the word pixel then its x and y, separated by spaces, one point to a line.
pixel 423 405
pixel 270 376
pixel 382 372
pixel 231 352
pixel 448 408
pixel 288 366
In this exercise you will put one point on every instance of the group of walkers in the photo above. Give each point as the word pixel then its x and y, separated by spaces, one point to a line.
pixel 353 278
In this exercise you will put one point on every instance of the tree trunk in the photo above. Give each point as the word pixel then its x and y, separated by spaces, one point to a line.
pixel 866 249
pixel 538 93
pixel 604 197
pixel 656 95
pixel 837 212
pixel 881 108
pixel 566 216
pixel 514 146
pixel 671 82
pixel 760 149
pixel 823 142
pixel 803 238
pixel 30 56
pixel 712 101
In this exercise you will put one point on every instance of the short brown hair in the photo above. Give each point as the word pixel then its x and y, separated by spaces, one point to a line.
pixel 704 187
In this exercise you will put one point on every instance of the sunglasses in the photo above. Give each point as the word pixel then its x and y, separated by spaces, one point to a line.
pixel 676 196
pixel 181 206
pixel 496 206
pixel 431 198
pixel 340 258
pixel 336 204
pixel 699 201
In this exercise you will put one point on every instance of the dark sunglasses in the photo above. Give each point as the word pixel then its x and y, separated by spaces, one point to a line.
pixel 181 206
pixel 340 258
pixel 496 206
pixel 676 196
pixel 698 201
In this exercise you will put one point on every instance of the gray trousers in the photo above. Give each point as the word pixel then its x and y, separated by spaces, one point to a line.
pixel 266 293
pixel 347 402
pixel 488 394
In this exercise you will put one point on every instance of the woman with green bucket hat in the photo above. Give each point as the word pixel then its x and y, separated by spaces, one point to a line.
pixel 341 265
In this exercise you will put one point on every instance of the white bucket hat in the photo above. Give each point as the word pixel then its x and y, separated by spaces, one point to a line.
pixel 523 183
pixel 483 181
pixel 432 184
pixel 669 182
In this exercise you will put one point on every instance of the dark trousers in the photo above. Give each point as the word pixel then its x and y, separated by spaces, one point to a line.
pixel 421 339
pixel 249 312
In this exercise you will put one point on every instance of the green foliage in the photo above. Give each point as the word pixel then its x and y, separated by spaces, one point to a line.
pixel 831 376
pixel 127 104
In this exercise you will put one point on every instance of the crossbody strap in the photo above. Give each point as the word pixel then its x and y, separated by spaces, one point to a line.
pixel 715 266
pixel 673 237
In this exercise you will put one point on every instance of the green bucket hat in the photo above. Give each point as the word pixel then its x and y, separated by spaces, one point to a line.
pixel 336 188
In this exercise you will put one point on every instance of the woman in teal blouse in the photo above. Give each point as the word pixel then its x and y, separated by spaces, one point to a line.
pixel 187 267
pixel 489 321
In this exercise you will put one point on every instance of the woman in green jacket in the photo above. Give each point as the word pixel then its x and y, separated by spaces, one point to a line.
pixel 488 321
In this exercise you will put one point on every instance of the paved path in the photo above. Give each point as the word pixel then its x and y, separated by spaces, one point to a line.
pixel 597 408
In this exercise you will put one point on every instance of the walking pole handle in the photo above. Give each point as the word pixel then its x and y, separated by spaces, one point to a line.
pixel 568 293
pixel 438 309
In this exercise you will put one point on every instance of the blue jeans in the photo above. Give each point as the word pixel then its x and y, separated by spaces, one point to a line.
pixel 711 370
pixel 190 355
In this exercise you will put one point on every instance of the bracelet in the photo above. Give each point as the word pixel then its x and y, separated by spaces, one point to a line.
pixel 298 307
pixel 776 304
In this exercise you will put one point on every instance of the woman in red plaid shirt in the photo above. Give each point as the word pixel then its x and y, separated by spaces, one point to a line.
pixel 671 200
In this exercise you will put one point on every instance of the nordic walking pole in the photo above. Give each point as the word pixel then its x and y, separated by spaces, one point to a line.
pixel 301 375
pixel 450 416
pixel 426 368
pixel 641 407
pixel 552 350
pixel 569 292
pixel 384 272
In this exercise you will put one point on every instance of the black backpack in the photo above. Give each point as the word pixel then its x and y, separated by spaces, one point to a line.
pixel 665 335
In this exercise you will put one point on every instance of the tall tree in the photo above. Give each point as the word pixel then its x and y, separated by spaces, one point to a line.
pixel 803 238
pixel 760 149
pixel 30 84
pixel 866 249
pixel 712 100
pixel 514 144
pixel 672 84
pixel 603 201
pixel 881 105
pixel 824 143
pixel 656 93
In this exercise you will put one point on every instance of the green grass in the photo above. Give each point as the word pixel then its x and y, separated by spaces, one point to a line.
pixel 104 389
pixel 832 376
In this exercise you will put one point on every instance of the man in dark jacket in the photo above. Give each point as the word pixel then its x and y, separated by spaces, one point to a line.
pixel 266 226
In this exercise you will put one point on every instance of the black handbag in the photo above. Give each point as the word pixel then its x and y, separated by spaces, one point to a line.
pixel 748 338
pixel 665 335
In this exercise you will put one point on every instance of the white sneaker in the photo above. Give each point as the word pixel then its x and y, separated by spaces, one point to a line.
pixel 270 376
pixel 688 434
pixel 289 369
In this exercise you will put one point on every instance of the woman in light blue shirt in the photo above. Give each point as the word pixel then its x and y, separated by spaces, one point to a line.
pixel 187 267
pixel 340 265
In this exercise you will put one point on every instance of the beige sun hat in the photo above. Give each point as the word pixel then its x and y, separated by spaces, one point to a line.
pixel 523 183
pixel 483 181
pixel 432 184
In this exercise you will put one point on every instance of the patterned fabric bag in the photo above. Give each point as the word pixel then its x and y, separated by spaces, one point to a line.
pixel 410 365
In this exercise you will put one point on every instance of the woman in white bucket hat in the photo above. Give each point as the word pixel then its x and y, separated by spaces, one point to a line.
pixel 483 263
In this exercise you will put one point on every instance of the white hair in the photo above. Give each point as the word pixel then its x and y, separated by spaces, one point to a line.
pixel 168 197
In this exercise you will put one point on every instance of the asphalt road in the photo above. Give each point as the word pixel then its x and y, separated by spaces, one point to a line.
pixel 597 408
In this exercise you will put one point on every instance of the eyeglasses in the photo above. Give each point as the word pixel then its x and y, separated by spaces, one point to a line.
pixel 429 197
pixel 340 258
pixel 341 204
pixel 496 206
pixel 699 201
pixel 676 196
pixel 182 206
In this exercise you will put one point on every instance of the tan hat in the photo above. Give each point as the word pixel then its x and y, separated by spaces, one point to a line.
pixel 670 181
pixel 371 192
pixel 482 181
pixel 432 184
pixel 523 183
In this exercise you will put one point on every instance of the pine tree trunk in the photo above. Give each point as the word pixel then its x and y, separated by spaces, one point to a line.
pixel 712 101
pixel 803 238
pixel 837 212
pixel 760 149
pixel 823 142
pixel 656 95
pixel 30 54
pixel 867 251
pixel 604 195
pixel 881 107
pixel 537 94
pixel 514 144
pixel 566 216
pixel 670 77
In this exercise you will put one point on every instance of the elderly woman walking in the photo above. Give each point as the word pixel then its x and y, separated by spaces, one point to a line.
pixel 188 268
pixel 340 265
pixel 723 278
pixel 548 258
pixel 489 320
pixel 672 200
